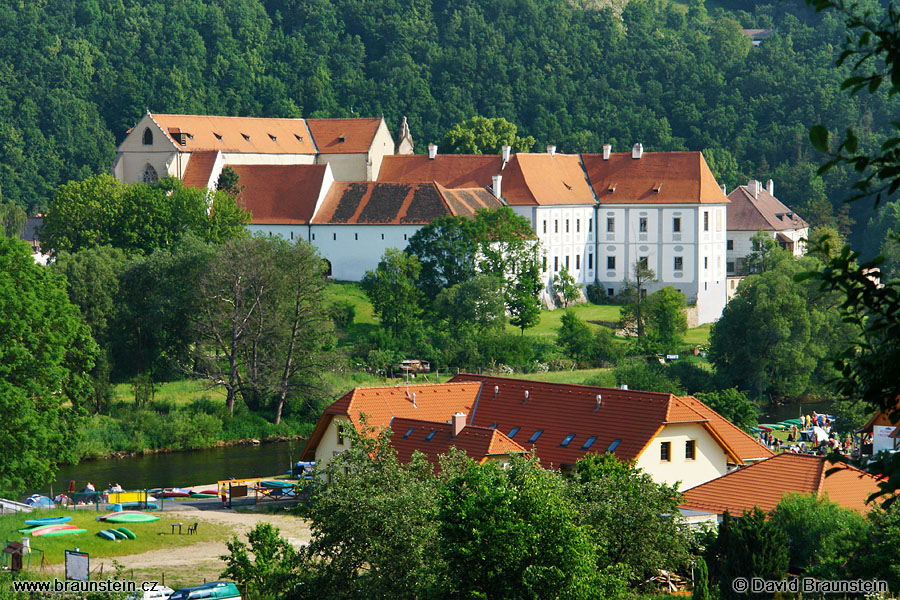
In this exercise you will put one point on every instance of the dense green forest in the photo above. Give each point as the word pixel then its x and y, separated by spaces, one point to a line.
pixel 74 76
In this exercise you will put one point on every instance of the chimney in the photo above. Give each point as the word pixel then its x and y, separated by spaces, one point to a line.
pixel 606 150
pixel 413 398
pixel 432 151
pixel 599 398
pixel 753 188
pixel 526 396
pixel 770 187
pixel 505 152
pixel 637 151
pixel 459 422
pixel 724 189
pixel 551 150
pixel 495 185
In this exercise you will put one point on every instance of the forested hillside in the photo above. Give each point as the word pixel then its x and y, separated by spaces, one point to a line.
pixel 75 75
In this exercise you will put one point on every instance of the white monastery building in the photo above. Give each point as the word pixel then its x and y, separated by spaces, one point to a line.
pixel 350 190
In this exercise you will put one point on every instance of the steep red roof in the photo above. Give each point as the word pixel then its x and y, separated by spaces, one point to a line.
pixel 479 443
pixel 449 170
pixel 545 179
pixel 343 136
pixel 238 134
pixel 765 483
pixel 199 168
pixel 655 178
pixel 749 213
pixel 280 194
pixel 436 402
pixel 398 203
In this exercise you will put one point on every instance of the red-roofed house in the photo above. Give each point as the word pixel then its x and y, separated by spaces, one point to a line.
pixel 481 444
pixel 755 208
pixel 765 483
pixel 674 439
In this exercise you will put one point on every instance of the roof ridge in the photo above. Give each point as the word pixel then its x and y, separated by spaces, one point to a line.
pixel 729 423
pixel 579 386
pixel 230 117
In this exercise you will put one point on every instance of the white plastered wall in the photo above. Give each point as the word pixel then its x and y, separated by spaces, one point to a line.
pixel 710 462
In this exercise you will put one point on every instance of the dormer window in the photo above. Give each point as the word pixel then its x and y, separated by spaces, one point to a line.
pixel 274 139
pixel 535 436
pixel 568 440
pixel 148 137
pixel 342 138
pixel 218 136
pixel 246 137
pixel 299 137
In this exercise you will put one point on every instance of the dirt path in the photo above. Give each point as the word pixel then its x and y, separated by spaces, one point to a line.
pixel 189 563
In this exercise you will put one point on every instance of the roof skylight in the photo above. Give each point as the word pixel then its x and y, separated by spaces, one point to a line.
pixel 615 444
pixel 589 442
pixel 514 431
pixel 568 440
pixel 535 436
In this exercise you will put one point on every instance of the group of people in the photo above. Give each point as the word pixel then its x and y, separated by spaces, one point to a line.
pixel 87 495
pixel 815 435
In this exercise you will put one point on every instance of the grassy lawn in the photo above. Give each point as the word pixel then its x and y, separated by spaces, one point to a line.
pixel 180 392
pixel 149 536
pixel 698 336
pixel 551 319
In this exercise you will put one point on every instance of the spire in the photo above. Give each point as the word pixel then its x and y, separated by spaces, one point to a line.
pixel 404 139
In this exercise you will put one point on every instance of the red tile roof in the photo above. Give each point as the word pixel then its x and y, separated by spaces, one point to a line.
pixel 343 136
pixel 280 194
pixel 435 402
pixel 398 203
pixel 655 178
pixel 449 170
pixel 199 168
pixel 763 484
pixel 544 179
pixel 626 420
pixel 239 134
pixel 747 213
pixel 479 443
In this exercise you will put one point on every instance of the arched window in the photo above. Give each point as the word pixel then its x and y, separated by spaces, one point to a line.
pixel 327 267
pixel 148 137
pixel 148 175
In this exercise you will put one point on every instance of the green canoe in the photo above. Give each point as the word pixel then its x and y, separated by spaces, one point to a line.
pixel 64 532
pixel 131 518
pixel 128 533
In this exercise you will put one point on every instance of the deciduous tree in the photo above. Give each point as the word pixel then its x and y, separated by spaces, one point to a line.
pixel 480 135
pixel 391 288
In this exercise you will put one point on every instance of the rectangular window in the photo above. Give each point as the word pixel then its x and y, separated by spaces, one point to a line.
pixel 610 262
pixel 292 235
pixel 408 432
pixel 568 440
pixel 545 226
pixel 729 245
pixel 610 292
pixel 567 226
pixel 590 261
pixel 356 236
pixel 665 451
pixel 404 237
pixel 676 225
pixel 610 225
pixel 544 264
pixel 577 225
pixel 430 435
pixel 757 246
pixel 679 263
pixel 555 264
pixel 644 262
pixel 705 220
pixel 690 450
pixel 705 262
pixel 567 263
pixel 577 261
pixel 334 236
pixel 513 432
pixel 555 226
pixel 535 436
pixel 615 444
pixel 340 435
pixel 589 442
pixel 590 225
pixel 313 236
pixel 643 225
pixel 730 267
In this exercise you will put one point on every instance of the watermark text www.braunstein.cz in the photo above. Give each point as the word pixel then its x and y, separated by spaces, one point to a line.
pixel 60 586
pixel 808 585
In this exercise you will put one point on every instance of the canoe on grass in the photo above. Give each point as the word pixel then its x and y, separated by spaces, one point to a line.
pixel 121 512
pixel 131 518
pixel 119 535
pixel 202 495
pixel 213 492
pixel 51 528
pixel 33 530
pixel 128 533
pixel 130 505
pixel 48 521
pixel 105 534
pixel 65 532
pixel 175 494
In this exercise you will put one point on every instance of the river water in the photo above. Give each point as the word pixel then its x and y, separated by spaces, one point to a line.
pixel 177 469
pixel 776 413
